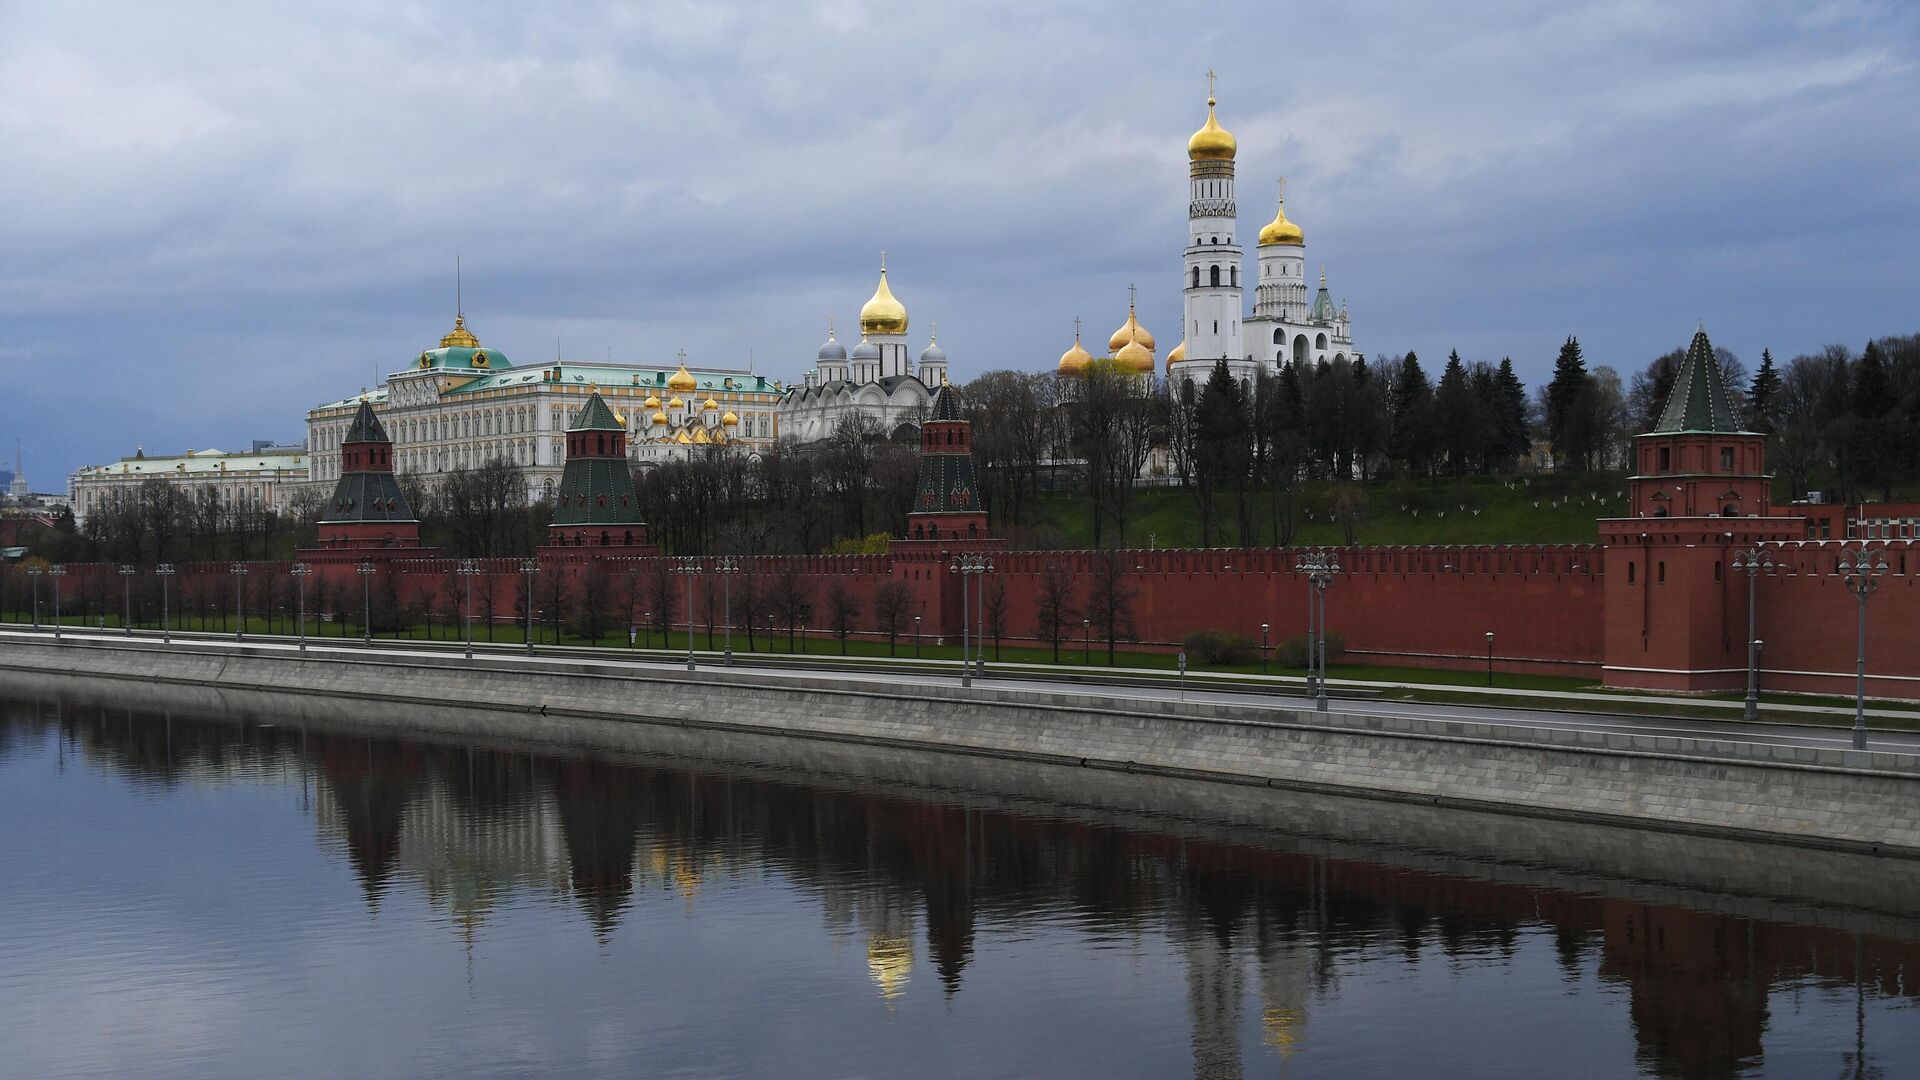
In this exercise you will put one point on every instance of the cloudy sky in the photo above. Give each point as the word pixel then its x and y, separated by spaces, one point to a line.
pixel 215 216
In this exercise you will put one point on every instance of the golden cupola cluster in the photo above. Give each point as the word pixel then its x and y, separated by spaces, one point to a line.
pixel 1132 345
pixel 1212 142
pixel 883 314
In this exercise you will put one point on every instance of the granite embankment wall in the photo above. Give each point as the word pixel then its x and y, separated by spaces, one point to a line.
pixel 1823 798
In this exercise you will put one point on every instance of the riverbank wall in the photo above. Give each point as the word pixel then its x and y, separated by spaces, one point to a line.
pixel 1822 798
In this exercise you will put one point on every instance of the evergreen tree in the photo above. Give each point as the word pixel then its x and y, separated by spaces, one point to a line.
pixel 1567 429
pixel 1410 417
pixel 1875 424
pixel 1763 397
pixel 1223 446
pixel 1511 439
pixel 1457 415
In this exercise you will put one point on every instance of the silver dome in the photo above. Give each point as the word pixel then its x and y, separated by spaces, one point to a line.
pixel 866 350
pixel 833 350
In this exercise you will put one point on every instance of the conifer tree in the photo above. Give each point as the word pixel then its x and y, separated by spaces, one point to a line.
pixel 1511 439
pixel 1566 428
pixel 1763 397
pixel 1410 417
pixel 1457 415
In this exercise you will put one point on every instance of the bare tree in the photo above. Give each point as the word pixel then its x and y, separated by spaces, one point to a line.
pixel 996 614
pixel 892 607
pixel 1054 611
pixel 1110 599
pixel 842 609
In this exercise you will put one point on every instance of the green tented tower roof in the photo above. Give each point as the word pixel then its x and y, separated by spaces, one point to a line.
pixel 1699 400
pixel 595 416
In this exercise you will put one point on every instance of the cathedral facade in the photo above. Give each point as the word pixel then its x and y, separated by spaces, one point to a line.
pixel 876 384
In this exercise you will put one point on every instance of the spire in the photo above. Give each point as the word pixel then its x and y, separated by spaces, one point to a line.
pixel 1699 399
pixel 366 427
pixel 459 336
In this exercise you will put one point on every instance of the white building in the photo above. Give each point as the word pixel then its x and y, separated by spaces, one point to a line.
pixel 267 477
pixel 1285 326
pixel 876 380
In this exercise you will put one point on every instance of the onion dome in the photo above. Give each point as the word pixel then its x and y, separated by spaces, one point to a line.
pixel 1280 231
pixel 659 418
pixel 674 402
pixel 1212 142
pixel 1132 331
pixel 1178 354
pixel 709 405
pixel 866 350
pixel 730 420
pixel 933 353
pixel 1134 358
pixel 681 380
pixel 459 337
pixel 832 350
pixel 652 402
pixel 883 314
pixel 1075 360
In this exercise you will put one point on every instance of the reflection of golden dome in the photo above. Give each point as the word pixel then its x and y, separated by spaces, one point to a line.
pixel 675 402
pixel 459 336
pixel 730 420
pixel 709 404
pixel 883 314
pixel 1280 231
pixel 890 962
pixel 653 401
pixel 1281 1028
pixel 701 437
pixel 1212 142
pixel 1075 360
pixel 659 417
pixel 1178 354
pixel 686 877
pixel 1134 358
pixel 681 380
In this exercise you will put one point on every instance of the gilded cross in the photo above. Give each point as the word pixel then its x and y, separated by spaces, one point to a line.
pixel 1283 190
pixel 1210 85
pixel 1076 328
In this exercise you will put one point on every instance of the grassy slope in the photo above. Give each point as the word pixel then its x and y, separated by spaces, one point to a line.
pixel 1566 514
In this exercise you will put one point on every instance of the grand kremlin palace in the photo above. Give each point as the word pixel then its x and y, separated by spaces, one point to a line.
pixel 463 405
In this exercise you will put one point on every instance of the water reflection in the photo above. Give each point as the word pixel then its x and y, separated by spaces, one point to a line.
pixel 1277 958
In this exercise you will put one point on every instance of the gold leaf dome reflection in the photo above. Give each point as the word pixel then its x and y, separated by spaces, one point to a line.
pixel 882 314
pixel 709 405
pixel 1212 142
pixel 889 962
pixel 659 418
pixel 652 402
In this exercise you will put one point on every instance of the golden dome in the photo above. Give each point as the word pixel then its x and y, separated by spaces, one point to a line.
pixel 674 402
pixel 700 436
pixel 730 420
pixel 459 336
pixel 621 417
pixel 681 380
pixel 1280 230
pixel 1178 354
pixel 659 417
pixel 1212 142
pixel 1132 331
pixel 1075 360
pixel 883 314
pixel 709 404
pixel 1134 358
pixel 652 402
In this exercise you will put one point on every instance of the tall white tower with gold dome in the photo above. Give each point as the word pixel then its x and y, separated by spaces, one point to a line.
pixel 1213 294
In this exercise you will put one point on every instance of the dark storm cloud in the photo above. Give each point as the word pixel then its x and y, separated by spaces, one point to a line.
pixel 217 216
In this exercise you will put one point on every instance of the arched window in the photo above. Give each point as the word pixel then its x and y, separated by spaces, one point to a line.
pixel 1279 336
pixel 1213 275
pixel 1196 277
pixel 1233 275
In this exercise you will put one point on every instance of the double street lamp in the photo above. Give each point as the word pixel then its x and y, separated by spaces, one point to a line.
pixel 689 566
pixel 528 569
pixel 239 571
pixel 366 572
pixel 468 569
pixel 33 575
pixel 165 572
pixel 127 570
pixel 1755 561
pixel 300 571
pixel 969 567
pixel 1320 568
pixel 56 573
pixel 727 566
pixel 1861 571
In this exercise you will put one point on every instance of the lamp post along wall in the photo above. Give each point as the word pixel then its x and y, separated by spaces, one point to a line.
pixel 33 576
pixel 56 573
pixel 1320 568
pixel 690 566
pixel 529 568
pixel 239 600
pixel 970 566
pixel 300 572
pixel 126 598
pixel 1861 571
pixel 1754 561
pixel 727 566
pixel 469 568
pixel 366 570
pixel 164 572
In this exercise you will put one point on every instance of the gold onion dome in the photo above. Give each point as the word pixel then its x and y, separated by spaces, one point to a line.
pixel 1280 231
pixel 709 404
pixel 1131 330
pixel 674 402
pixel 681 380
pixel 1178 354
pixel 883 314
pixel 1212 142
pixel 652 402
pixel 1134 358
pixel 459 336
pixel 730 420
pixel 1075 360
pixel 659 417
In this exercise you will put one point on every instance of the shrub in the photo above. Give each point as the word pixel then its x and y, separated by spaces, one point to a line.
pixel 1292 653
pixel 1218 648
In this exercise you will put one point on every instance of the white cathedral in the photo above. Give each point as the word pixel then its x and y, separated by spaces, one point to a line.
pixel 876 380
pixel 1286 326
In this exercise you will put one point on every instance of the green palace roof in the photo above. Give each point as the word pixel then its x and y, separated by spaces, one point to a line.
pixel 566 373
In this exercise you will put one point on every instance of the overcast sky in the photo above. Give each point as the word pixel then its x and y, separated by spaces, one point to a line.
pixel 213 217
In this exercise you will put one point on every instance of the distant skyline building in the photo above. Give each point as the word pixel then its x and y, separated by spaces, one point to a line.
pixel 265 477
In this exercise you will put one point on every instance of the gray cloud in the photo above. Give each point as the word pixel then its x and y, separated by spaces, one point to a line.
pixel 218 217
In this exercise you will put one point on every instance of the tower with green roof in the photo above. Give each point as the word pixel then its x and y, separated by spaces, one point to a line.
pixel 368 509
pixel 946 504
pixel 595 505
pixel 1700 460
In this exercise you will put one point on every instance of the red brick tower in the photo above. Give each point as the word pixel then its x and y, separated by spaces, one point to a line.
pixel 947 505
pixel 368 509
pixel 1675 619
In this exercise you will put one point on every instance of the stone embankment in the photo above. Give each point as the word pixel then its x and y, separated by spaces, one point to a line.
pixel 1824 798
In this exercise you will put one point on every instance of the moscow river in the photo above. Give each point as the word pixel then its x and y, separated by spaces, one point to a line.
pixel 223 890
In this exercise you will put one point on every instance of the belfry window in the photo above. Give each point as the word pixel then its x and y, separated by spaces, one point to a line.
pixel 1213 274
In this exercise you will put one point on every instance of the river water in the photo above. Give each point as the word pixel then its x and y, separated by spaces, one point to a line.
pixel 234 890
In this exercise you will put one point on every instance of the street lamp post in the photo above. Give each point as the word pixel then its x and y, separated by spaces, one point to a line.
pixel 916 637
pixel 239 600
pixel 1862 571
pixel 689 566
pixel 469 568
pixel 968 566
pixel 127 571
pixel 1320 568
pixel 56 573
pixel 1086 642
pixel 1264 628
pixel 1754 561
pixel 366 571
pixel 33 575
pixel 728 566
pixel 300 571
pixel 980 635
pixel 1489 658
pixel 528 568
pixel 164 572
